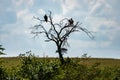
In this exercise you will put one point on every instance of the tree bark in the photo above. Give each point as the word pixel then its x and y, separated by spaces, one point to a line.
pixel 60 55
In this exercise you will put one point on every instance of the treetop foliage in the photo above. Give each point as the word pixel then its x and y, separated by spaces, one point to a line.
pixel 1 50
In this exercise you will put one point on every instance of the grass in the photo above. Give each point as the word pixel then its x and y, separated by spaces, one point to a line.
pixel 10 62
pixel 104 62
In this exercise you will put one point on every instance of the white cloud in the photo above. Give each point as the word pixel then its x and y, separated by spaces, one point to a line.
pixel 21 13
pixel 19 3
pixel 3 37
pixel 82 44
pixel 110 29
pixel 58 17
pixel 41 11
pixel 102 14
pixel 99 8
pixel 68 5
pixel 105 44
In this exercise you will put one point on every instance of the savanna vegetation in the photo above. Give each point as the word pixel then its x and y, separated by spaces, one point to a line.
pixel 30 67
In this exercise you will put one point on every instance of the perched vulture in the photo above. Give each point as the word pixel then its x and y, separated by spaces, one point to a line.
pixel 70 21
pixel 45 18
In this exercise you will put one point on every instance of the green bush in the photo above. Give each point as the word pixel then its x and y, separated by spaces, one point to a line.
pixel 3 74
pixel 33 68
pixel 29 66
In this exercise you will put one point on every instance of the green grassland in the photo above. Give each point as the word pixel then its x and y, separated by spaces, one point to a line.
pixel 9 62
pixel 49 68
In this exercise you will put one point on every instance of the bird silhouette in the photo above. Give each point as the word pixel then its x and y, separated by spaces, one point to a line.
pixel 70 21
pixel 45 18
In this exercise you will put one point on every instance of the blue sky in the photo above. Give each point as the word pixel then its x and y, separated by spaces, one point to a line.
pixel 100 16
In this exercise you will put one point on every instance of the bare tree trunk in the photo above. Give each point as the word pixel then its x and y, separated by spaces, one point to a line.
pixel 60 56
pixel 58 32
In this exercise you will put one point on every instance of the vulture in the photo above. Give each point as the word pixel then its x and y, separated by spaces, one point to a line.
pixel 70 21
pixel 45 18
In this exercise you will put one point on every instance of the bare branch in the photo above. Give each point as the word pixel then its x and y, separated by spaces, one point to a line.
pixel 62 21
pixel 87 32
pixel 52 24
pixel 38 19
pixel 58 32
pixel 69 32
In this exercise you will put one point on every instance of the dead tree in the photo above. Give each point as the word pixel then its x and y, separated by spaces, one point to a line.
pixel 58 32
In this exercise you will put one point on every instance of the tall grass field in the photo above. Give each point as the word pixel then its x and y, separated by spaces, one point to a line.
pixel 46 68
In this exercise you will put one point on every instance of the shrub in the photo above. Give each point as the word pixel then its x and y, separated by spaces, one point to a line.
pixel 3 74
